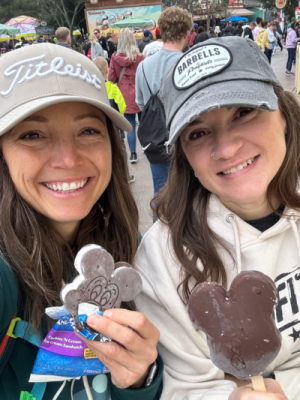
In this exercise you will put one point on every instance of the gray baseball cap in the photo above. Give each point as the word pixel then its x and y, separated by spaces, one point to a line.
pixel 220 72
pixel 35 77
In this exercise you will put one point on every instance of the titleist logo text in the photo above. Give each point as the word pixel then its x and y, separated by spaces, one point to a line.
pixel 27 70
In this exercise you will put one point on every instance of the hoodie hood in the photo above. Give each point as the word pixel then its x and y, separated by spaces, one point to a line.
pixel 289 30
pixel 122 60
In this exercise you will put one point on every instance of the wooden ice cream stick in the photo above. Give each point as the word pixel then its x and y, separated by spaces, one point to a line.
pixel 258 383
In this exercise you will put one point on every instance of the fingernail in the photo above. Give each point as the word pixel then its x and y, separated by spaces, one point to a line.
pixel 92 321
pixel 108 313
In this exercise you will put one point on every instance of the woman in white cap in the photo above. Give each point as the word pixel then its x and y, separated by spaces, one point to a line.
pixel 63 185
pixel 231 204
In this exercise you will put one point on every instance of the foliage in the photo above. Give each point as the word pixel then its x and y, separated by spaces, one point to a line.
pixel 289 9
pixel 69 13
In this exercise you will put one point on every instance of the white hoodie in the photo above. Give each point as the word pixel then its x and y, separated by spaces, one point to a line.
pixel 189 372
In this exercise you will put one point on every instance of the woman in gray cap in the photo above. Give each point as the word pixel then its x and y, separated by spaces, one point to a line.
pixel 64 185
pixel 231 204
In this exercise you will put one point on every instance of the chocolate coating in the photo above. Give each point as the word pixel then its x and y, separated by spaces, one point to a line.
pixel 105 283
pixel 241 332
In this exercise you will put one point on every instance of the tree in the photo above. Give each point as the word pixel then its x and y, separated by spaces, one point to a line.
pixel 69 13
pixel 289 9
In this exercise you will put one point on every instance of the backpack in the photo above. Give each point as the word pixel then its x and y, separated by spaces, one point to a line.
pixel 152 131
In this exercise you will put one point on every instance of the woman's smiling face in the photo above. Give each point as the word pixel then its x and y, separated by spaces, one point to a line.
pixel 250 147
pixel 60 160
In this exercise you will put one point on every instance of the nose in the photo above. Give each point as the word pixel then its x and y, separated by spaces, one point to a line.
pixel 226 143
pixel 65 154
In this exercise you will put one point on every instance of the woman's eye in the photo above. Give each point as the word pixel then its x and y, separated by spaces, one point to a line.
pixel 90 131
pixel 31 135
pixel 243 111
pixel 197 134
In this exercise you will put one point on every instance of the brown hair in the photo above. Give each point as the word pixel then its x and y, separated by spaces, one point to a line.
pixel 37 254
pixel 264 24
pixel 62 34
pixel 174 23
pixel 183 202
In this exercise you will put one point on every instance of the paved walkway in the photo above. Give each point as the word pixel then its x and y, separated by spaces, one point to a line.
pixel 143 186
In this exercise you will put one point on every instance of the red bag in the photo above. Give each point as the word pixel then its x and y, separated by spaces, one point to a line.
pixel 89 53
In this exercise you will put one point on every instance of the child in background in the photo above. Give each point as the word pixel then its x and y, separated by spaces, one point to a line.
pixel 115 96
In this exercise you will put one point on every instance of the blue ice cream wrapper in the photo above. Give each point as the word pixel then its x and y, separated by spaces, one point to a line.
pixel 63 355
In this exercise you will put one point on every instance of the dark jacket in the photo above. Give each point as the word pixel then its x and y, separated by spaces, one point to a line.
pixel 201 37
pixel 15 375
pixel 103 43
pixel 238 31
pixel 248 33
pixel 229 31
pixel 64 45
pixel 143 43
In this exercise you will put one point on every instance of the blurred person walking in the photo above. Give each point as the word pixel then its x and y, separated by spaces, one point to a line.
pixel 123 67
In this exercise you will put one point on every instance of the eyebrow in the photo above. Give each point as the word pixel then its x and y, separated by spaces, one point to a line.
pixel 89 115
pixel 39 118
pixel 36 118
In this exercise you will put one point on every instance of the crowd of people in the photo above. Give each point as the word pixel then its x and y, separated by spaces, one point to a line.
pixel 221 136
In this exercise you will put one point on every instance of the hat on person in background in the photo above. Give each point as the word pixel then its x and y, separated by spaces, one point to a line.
pixel 157 31
pixel 146 33
pixel 220 72
pixel 35 77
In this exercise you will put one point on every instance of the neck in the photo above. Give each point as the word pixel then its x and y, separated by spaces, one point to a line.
pixel 250 211
pixel 67 230
pixel 175 46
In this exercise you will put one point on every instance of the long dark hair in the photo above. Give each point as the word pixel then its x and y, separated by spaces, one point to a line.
pixel 183 202
pixel 36 252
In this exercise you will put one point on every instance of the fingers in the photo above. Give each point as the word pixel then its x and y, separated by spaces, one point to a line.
pixel 136 320
pixel 274 392
pixel 129 338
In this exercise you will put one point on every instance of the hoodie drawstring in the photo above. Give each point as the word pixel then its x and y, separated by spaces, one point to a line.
pixel 230 218
pixel 59 390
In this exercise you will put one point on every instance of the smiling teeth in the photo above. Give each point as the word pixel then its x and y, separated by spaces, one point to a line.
pixel 66 187
pixel 239 167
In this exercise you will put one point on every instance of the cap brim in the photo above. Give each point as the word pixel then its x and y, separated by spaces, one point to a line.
pixel 25 110
pixel 241 93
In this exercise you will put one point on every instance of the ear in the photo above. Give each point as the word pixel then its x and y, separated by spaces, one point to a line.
pixel 128 280
pixel 96 261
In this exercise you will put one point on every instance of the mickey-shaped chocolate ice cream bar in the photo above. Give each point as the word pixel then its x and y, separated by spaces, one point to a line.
pixel 241 333
pixel 100 282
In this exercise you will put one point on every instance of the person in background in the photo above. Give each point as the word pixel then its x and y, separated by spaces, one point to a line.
pixel 191 36
pixel 212 32
pixel 272 39
pixel 174 24
pixel 217 31
pixel 229 30
pixel 146 39
pixel 101 39
pixel 291 45
pixel 239 29
pixel 279 35
pixel 223 28
pixel 123 67
pixel 115 97
pixel 262 37
pixel 96 48
pixel 293 20
pixel 111 47
pixel 248 31
pixel 63 37
pixel 257 28
pixel 202 36
pixel 155 46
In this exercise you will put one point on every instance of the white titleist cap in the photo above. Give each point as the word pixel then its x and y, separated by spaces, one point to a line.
pixel 38 76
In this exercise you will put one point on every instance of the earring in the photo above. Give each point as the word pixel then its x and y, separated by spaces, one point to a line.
pixel 195 175
pixel 213 156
